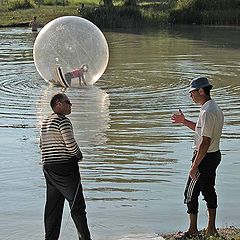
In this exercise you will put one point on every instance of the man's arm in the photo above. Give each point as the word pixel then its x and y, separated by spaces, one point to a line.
pixel 203 148
pixel 189 124
pixel 68 137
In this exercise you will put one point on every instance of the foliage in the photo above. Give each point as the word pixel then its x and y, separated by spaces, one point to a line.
pixel 146 13
pixel 123 17
pixel 217 4
pixel 113 17
pixel 54 2
pixel 217 12
pixel 207 4
pixel 184 4
pixel 20 4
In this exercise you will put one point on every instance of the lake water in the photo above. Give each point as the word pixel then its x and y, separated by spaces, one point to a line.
pixel 135 161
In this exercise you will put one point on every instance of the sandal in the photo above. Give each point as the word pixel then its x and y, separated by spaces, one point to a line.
pixel 182 235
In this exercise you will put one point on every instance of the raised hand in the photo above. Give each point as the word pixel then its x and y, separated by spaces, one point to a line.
pixel 178 117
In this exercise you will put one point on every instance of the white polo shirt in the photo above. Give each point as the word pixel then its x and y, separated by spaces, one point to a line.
pixel 209 124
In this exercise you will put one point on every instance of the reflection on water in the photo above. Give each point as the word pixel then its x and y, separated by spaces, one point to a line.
pixel 135 161
pixel 90 112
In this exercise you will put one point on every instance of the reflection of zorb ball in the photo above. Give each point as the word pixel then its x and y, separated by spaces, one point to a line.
pixel 66 44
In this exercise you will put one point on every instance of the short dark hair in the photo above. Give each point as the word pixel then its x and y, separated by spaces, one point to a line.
pixel 207 90
pixel 57 98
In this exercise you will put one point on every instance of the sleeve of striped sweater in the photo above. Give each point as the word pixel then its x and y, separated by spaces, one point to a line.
pixel 68 137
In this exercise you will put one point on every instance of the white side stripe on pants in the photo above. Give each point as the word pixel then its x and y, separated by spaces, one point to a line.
pixel 191 188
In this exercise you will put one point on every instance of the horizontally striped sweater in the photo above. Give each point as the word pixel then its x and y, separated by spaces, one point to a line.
pixel 57 141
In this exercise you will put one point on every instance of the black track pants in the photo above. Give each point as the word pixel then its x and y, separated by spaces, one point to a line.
pixel 204 184
pixel 64 182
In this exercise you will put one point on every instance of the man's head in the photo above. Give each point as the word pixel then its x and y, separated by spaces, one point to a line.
pixel 200 89
pixel 61 104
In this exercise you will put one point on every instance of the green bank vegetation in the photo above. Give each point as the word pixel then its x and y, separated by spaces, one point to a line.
pixel 117 14
pixel 123 13
pixel 217 12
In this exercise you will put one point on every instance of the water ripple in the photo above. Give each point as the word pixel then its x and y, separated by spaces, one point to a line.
pixel 133 155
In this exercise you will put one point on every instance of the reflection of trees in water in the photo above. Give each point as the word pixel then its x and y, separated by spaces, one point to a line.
pixel 210 36
pixel 90 112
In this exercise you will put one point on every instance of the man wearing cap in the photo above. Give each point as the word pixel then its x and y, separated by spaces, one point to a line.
pixel 206 156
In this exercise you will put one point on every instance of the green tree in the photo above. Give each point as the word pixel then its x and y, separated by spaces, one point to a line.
pixel 130 2
pixel 207 4
pixel 107 3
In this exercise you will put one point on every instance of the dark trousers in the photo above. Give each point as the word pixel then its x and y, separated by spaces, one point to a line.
pixel 205 183
pixel 63 182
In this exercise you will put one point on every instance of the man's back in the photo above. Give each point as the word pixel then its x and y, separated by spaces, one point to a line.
pixel 57 141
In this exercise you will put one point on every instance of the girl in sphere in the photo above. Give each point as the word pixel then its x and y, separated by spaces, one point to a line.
pixel 77 73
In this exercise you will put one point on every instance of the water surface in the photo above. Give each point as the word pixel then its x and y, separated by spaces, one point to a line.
pixel 135 161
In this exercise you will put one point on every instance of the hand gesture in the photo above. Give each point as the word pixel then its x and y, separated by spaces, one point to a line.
pixel 178 117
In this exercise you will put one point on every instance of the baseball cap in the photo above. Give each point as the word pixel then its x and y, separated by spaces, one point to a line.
pixel 199 82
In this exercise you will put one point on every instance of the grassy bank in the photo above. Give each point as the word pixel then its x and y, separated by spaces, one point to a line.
pixel 228 233
pixel 117 16
pixel 44 15
pixel 145 13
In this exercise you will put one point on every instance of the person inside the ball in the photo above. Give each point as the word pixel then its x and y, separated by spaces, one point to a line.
pixel 77 73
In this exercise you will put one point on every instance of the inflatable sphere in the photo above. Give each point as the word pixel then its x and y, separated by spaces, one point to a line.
pixel 70 51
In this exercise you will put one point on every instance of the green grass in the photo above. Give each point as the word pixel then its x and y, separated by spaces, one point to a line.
pixel 44 14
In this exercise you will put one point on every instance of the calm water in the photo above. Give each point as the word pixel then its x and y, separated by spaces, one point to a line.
pixel 136 162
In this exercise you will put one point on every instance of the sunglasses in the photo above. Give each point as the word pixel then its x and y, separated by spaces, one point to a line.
pixel 68 102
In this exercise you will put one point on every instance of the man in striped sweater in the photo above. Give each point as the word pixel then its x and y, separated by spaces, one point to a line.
pixel 60 156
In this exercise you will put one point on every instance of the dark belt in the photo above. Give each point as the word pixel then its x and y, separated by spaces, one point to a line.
pixel 195 152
